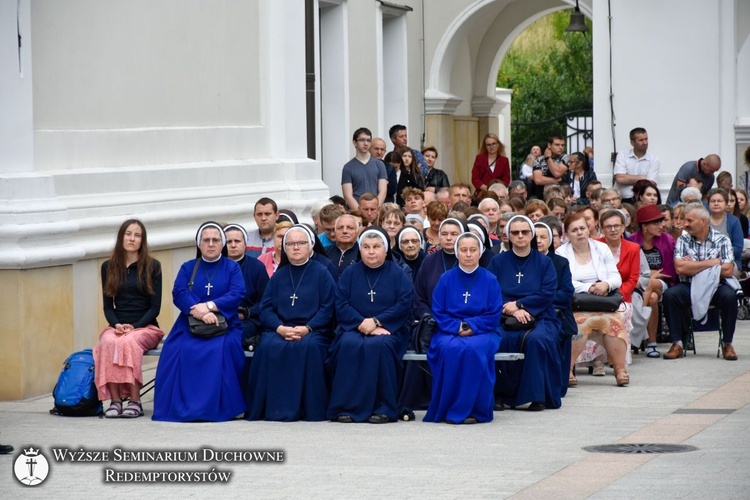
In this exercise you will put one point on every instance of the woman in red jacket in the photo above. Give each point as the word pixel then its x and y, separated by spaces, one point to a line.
pixel 490 164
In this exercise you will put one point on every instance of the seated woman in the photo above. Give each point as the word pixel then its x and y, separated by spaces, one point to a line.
pixel 417 386
pixel 410 247
pixel 199 379
pixel 545 237
pixel 287 377
pixel 462 351
pixel 594 271
pixel 131 289
pixel 528 292
pixel 271 260
pixel 373 298
pixel 725 223
pixel 627 257
pixel 658 246
pixel 254 274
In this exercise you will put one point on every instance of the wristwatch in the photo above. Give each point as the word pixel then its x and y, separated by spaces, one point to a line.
pixel 210 306
pixel 519 304
pixel 464 326
pixel 377 322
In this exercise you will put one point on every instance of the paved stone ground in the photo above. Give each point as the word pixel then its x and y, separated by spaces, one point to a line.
pixel 518 455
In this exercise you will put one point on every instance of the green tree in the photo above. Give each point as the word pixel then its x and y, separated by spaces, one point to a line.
pixel 551 73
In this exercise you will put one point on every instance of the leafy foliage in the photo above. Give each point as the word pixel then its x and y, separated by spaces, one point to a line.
pixel 551 73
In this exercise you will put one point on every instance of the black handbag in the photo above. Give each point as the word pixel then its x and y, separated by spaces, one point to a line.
pixel 207 331
pixel 424 329
pixel 197 327
pixel 511 324
pixel 588 302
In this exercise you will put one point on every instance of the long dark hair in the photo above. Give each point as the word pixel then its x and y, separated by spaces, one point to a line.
pixel 413 169
pixel 117 269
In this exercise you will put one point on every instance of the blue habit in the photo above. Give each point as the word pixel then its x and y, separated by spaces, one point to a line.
pixel 538 377
pixel 256 278
pixel 563 298
pixel 416 390
pixel 463 368
pixel 287 378
pixel 199 379
pixel 365 368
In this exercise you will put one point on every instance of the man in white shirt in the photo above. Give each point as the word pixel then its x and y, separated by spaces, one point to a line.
pixel 635 165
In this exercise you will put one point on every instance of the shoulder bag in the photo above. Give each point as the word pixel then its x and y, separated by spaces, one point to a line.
pixel 197 327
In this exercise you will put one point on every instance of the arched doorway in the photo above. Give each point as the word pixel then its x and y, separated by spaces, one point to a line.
pixel 461 101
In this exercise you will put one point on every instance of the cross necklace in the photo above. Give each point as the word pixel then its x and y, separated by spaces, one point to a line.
pixel 293 296
pixel 372 286
pixel 209 286
pixel 467 293
pixel 520 268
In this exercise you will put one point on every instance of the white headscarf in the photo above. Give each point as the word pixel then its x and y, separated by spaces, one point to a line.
pixel 379 234
pixel 206 225
pixel 237 227
pixel 522 217
pixel 409 229
pixel 300 229
pixel 468 234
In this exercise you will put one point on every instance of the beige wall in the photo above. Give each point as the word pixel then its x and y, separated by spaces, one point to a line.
pixel 51 312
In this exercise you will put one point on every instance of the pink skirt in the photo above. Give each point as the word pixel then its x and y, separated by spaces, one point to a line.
pixel 118 359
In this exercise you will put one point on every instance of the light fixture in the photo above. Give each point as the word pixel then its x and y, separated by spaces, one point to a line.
pixel 577 21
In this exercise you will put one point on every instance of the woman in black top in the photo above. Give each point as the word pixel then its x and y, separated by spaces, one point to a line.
pixel 131 285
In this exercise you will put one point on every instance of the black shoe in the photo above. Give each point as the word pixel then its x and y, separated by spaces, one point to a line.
pixel 470 420
pixel 535 406
pixel 344 419
pixel 499 407
pixel 5 449
pixel 379 419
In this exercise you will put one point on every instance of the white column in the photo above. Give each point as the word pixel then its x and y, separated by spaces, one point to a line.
pixel 16 107
pixel 726 31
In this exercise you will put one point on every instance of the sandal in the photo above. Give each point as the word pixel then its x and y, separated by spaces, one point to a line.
pixel 133 410
pixel 572 380
pixel 652 352
pixel 622 377
pixel 344 419
pixel 114 410
pixel 598 369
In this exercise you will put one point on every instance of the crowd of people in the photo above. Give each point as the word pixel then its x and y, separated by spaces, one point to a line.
pixel 551 265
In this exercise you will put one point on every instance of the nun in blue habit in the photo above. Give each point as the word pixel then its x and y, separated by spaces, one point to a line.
pixel 467 305
pixel 529 283
pixel 199 379
pixel 373 297
pixel 288 379
pixel 416 390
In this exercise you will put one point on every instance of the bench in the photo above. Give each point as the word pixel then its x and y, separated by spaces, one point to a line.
pixel 409 356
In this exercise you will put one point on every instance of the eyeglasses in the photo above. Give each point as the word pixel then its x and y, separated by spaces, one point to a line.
pixel 211 241
pixel 524 232
pixel 612 227
pixel 295 244
pixel 410 242
pixel 362 139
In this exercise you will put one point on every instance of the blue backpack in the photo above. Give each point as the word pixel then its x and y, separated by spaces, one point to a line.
pixel 75 393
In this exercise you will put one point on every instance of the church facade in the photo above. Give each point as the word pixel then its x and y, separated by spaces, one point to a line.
pixel 182 112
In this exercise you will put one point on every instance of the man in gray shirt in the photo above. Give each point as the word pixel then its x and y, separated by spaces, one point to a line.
pixel 705 167
pixel 363 173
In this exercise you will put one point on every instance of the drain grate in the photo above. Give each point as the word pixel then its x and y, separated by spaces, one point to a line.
pixel 640 448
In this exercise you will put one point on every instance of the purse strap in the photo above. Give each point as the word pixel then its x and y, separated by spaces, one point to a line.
pixel 192 276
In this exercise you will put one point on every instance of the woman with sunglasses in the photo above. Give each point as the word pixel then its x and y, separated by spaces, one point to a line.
pixel 528 281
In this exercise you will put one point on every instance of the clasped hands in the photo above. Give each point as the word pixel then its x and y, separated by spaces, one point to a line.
pixel 522 315
pixel 123 329
pixel 599 288
pixel 292 333
pixel 368 327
